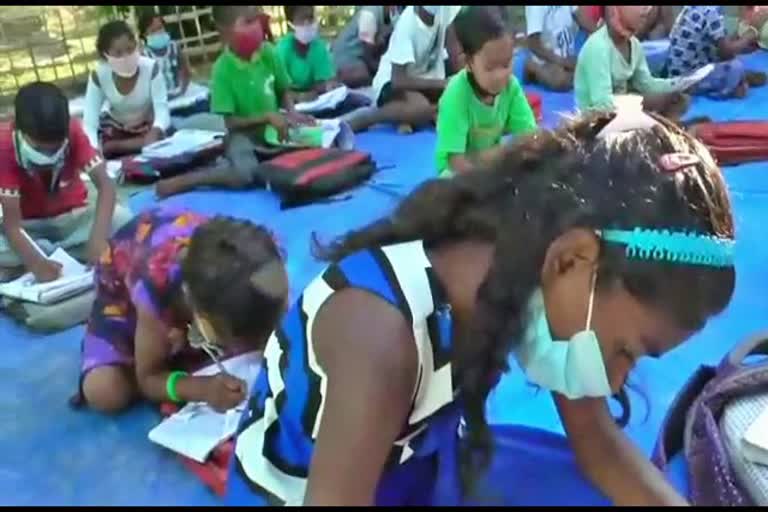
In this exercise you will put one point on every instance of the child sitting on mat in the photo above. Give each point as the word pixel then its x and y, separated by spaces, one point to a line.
pixel 612 62
pixel 484 101
pixel 170 278
pixel 754 18
pixel 360 44
pixel 699 38
pixel 42 196
pixel 552 31
pixel 306 57
pixel 578 251
pixel 159 46
pixel 135 92
pixel 249 84
pixel 412 72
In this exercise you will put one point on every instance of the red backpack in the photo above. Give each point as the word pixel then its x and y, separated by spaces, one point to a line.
pixel 735 142
pixel 308 175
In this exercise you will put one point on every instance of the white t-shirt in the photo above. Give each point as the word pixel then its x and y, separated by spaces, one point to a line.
pixel 417 45
pixel 557 27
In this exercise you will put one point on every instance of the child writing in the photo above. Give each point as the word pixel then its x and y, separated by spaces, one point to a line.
pixel 612 62
pixel 359 46
pixel 166 278
pixel 699 38
pixel 552 31
pixel 484 101
pixel 392 351
pixel 159 46
pixel 411 75
pixel 42 155
pixel 305 56
pixel 134 89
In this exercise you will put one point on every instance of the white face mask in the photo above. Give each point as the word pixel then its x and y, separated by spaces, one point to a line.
pixel 305 34
pixel 31 159
pixel 573 368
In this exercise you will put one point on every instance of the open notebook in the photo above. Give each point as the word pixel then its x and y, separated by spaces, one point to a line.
pixel 75 279
pixel 182 141
pixel 197 429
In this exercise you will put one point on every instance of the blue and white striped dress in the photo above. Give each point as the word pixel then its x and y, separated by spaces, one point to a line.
pixel 276 439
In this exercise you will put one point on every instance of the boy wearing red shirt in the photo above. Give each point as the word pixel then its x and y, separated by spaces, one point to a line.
pixel 43 198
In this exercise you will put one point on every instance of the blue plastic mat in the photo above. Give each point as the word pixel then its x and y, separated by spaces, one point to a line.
pixel 52 455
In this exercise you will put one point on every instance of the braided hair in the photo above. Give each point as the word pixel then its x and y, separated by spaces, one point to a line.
pixel 542 186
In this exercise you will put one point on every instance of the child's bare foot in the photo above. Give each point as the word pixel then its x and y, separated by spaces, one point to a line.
pixel 756 78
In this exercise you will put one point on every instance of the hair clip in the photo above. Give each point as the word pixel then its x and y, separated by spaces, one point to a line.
pixel 673 162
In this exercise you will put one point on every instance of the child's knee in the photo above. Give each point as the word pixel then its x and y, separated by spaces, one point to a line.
pixel 109 389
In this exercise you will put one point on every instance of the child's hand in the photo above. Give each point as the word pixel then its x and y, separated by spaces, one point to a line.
pixel 280 123
pixel 224 392
pixel 152 136
pixel 297 119
pixel 47 271
pixel 569 63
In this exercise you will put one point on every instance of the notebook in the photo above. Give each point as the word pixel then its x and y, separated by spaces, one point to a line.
pixel 75 279
pixel 755 442
pixel 181 142
pixel 197 429
pixel 326 101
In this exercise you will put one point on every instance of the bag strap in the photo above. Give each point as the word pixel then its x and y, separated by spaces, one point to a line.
pixel 754 345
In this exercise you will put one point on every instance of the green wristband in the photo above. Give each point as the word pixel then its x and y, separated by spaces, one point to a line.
pixel 170 385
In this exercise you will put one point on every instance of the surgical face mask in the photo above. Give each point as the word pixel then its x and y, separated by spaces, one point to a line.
pixel 126 66
pixel 305 34
pixel 32 159
pixel 431 9
pixel 573 368
pixel 159 40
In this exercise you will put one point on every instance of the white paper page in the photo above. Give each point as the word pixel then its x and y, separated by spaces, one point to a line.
pixel 182 141
pixel 197 429
pixel 325 101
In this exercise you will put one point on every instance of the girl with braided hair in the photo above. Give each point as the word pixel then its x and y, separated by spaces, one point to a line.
pixel 166 275
pixel 577 251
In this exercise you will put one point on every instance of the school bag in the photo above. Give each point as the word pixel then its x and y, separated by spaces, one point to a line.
pixel 707 421
pixel 305 176
pixel 735 142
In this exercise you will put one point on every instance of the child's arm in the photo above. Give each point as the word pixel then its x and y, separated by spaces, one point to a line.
pixel 643 80
pixel 105 209
pixel 534 18
pixel 43 269
pixel 162 112
pixel 184 72
pixel 153 348
pixel 402 81
pixel 609 459
pixel 94 100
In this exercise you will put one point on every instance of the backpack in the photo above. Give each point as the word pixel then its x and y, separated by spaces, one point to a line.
pixel 141 170
pixel 701 422
pixel 308 175
pixel 735 142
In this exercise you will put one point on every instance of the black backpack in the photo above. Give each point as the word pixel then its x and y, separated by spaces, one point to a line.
pixel 308 175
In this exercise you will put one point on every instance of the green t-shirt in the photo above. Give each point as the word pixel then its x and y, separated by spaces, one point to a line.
pixel 248 89
pixel 307 70
pixel 466 124
pixel 602 71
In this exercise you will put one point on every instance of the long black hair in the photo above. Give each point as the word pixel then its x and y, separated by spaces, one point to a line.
pixel 542 186
pixel 109 32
